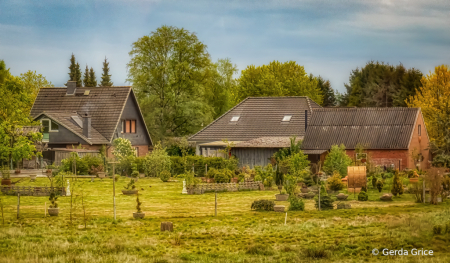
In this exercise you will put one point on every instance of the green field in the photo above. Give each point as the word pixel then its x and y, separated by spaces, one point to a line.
pixel 237 234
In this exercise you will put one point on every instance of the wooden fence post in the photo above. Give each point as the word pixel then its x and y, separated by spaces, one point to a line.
pixel 18 205
pixel 215 204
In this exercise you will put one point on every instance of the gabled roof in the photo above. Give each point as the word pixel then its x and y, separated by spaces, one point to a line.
pixel 376 128
pixel 103 104
pixel 259 117
pixel 65 119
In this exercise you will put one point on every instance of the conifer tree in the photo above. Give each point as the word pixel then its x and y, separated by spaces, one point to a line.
pixel 106 77
pixel 72 68
pixel 86 80
pixel 92 78
pixel 397 186
pixel 78 75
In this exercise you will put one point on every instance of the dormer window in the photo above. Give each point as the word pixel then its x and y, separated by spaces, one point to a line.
pixel 287 118
pixel 235 118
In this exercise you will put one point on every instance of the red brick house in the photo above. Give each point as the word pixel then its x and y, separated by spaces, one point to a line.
pixel 90 117
pixel 392 136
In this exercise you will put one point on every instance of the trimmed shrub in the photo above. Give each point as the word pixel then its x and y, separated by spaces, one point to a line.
pixel 85 164
pixel 374 182
pixel 380 185
pixel 296 204
pixel 337 160
pixel 265 205
pixel 179 166
pixel 326 203
pixel 335 182
pixel 363 196
pixel 164 175
pixel 221 177
pixel 397 186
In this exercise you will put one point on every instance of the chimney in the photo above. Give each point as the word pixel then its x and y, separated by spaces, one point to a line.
pixel 71 87
pixel 87 126
pixel 306 120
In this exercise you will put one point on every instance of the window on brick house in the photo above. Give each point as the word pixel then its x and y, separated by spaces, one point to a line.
pixel 420 130
pixel 136 150
pixel 128 126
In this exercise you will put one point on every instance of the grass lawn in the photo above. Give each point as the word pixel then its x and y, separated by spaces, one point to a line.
pixel 237 234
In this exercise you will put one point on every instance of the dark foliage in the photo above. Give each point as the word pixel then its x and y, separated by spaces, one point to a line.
pixel 326 203
pixel 296 204
pixel 266 205
pixel 363 196
pixel 381 85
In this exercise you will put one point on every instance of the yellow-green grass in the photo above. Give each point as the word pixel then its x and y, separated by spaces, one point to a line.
pixel 237 234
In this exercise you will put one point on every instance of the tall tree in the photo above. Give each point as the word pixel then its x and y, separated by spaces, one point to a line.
pixel 34 82
pixel 222 83
pixel 432 97
pixel 169 70
pixel 92 78
pixel 73 68
pixel 106 77
pixel 74 71
pixel 78 75
pixel 328 93
pixel 86 80
pixel 276 79
pixel 4 72
pixel 381 85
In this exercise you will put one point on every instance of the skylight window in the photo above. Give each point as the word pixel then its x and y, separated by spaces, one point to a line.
pixel 235 118
pixel 287 118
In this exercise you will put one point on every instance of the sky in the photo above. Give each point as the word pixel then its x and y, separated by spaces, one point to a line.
pixel 328 38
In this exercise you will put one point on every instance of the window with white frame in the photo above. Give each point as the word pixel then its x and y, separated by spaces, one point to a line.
pixel 235 118
pixel 287 118
pixel 49 125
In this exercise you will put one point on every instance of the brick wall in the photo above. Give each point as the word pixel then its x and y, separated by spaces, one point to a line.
pixel 420 144
pixel 385 157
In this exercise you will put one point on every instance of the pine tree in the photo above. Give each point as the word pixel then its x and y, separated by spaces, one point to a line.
pixel 72 68
pixel 106 77
pixel 86 80
pixel 78 75
pixel 397 186
pixel 92 78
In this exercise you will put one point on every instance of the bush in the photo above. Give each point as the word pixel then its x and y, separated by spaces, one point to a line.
pixel 296 204
pixel 380 185
pixel 326 203
pixel 221 177
pixel 135 174
pixel 164 175
pixel 363 196
pixel 266 174
pixel 374 181
pixel 337 160
pixel 265 205
pixel 157 161
pixel 84 165
pixel 397 186
pixel 179 167
pixel 335 182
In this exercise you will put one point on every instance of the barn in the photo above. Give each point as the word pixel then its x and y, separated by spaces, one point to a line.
pixel 395 137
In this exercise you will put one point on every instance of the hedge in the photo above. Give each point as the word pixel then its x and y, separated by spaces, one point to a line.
pixel 199 163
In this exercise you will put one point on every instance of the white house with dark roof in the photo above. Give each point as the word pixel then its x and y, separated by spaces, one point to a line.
pixel 258 127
